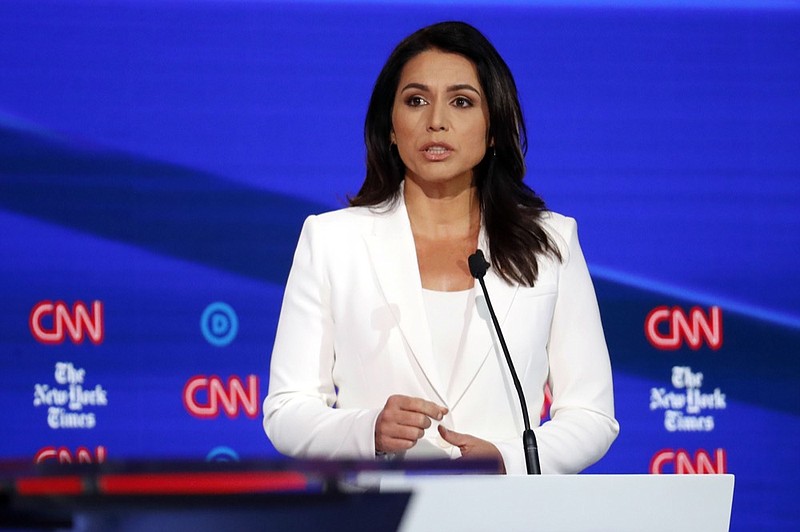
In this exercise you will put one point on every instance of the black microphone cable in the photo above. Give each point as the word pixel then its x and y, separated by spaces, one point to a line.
pixel 478 267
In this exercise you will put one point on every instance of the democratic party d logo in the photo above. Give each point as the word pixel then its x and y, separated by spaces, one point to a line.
pixel 219 324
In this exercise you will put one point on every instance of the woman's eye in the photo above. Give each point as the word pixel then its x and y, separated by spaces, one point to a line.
pixel 415 101
pixel 462 102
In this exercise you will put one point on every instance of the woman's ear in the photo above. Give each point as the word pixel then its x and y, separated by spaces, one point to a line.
pixel 392 138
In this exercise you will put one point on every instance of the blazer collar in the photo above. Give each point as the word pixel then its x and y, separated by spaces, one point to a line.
pixel 394 260
pixel 481 339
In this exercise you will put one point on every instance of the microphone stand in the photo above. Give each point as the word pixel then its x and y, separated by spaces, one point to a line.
pixel 478 267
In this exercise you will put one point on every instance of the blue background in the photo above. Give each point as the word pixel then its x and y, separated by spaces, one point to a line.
pixel 161 156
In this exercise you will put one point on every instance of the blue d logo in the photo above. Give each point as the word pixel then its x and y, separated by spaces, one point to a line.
pixel 222 454
pixel 219 324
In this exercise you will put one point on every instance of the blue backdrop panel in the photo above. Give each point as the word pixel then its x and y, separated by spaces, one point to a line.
pixel 160 157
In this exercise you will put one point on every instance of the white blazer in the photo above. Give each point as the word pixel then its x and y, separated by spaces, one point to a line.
pixel 353 330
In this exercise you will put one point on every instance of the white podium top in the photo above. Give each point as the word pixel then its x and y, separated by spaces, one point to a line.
pixel 565 502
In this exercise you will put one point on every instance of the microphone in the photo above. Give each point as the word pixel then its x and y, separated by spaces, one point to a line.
pixel 477 267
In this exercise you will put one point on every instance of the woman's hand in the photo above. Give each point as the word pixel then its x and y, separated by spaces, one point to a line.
pixel 403 421
pixel 472 447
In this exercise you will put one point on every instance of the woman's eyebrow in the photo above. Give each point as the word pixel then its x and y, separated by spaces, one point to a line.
pixel 451 88
pixel 418 86
pixel 463 87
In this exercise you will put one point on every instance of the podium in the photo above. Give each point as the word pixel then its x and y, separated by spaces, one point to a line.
pixel 564 503
pixel 406 496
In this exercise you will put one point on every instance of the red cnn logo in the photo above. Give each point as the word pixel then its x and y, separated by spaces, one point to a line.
pixel 694 328
pixel 219 397
pixel 547 403
pixel 683 464
pixel 51 322
pixel 63 455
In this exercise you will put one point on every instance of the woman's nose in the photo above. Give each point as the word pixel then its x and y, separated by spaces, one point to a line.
pixel 437 121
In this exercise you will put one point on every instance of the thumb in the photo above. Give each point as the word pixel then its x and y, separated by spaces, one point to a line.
pixel 452 437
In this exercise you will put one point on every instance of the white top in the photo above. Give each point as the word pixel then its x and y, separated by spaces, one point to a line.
pixel 353 330
pixel 448 317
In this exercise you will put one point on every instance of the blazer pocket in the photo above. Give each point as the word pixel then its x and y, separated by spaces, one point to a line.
pixel 527 326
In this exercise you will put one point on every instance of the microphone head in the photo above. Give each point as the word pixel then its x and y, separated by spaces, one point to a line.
pixel 477 264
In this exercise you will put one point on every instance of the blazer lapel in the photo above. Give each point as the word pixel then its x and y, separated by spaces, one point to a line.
pixel 481 340
pixel 394 260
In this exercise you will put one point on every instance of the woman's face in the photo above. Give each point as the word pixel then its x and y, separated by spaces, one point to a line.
pixel 440 119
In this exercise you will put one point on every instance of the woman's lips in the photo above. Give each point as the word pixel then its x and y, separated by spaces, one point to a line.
pixel 436 151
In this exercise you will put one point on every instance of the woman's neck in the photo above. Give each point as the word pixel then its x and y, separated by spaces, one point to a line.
pixel 442 212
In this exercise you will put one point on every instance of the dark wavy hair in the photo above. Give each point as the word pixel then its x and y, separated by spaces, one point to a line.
pixel 511 210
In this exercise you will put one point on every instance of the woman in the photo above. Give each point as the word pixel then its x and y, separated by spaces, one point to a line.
pixel 384 345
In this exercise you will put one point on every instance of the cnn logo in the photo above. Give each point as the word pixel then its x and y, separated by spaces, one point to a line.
pixel 670 328
pixel 681 462
pixel 62 455
pixel 206 397
pixel 52 322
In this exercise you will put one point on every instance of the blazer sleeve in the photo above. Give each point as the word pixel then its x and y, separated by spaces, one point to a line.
pixel 582 424
pixel 299 414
